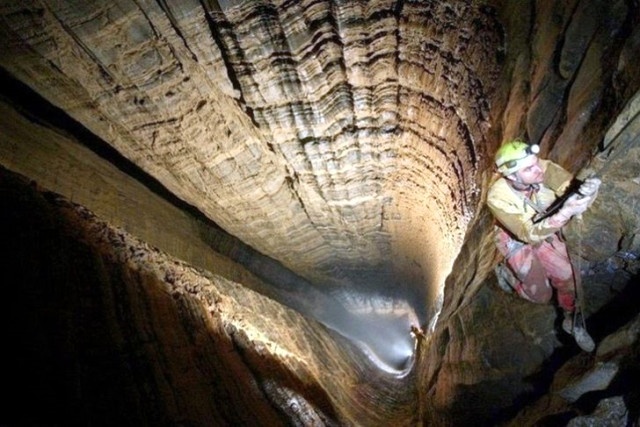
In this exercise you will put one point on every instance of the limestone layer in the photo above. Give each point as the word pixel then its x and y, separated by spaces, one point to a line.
pixel 334 137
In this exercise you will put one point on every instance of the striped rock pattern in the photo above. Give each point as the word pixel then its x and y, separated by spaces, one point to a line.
pixel 349 140
pixel 335 137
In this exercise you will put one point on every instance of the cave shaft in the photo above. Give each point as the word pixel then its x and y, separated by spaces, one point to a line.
pixel 335 137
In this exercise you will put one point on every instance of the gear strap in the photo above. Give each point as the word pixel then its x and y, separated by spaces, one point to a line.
pixel 540 212
pixel 577 278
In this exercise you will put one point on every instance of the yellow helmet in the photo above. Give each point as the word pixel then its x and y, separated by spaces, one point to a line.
pixel 509 157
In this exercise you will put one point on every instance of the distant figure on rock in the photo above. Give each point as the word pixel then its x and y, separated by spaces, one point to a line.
pixel 536 258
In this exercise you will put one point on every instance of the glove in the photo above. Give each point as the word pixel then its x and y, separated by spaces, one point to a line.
pixel 576 204
pixel 590 187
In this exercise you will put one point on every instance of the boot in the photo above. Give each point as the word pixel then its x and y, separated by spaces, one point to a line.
pixel 583 339
pixel 567 322
pixel 506 279
pixel 574 325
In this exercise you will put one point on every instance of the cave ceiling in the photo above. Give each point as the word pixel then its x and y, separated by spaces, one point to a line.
pixel 334 137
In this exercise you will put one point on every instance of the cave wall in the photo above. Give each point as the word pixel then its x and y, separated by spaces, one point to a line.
pixel 101 328
pixel 574 90
pixel 37 146
pixel 85 320
pixel 388 152
pixel 326 135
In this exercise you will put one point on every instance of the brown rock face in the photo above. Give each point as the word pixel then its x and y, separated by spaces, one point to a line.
pixel 115 332
pixel 334 138
pixel 333 157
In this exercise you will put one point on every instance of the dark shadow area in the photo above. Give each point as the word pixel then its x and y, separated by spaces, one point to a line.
pixel 538 384
pixel 557 420
pixel 625 384
pixel 618 312
pixel 57 352
pixel 615 315
pixel 89 341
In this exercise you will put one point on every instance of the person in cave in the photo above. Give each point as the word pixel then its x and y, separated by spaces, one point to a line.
pixel 536 260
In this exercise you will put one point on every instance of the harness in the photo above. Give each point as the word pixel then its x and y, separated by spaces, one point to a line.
pixel 528 198
pixel 533 190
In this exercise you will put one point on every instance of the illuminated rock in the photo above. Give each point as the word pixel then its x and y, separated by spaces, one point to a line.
pixel 344 148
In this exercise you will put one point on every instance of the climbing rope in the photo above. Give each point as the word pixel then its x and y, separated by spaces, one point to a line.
pixel 577 276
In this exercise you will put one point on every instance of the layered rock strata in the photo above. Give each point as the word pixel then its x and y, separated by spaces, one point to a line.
pixel 351 141
pixel 326 135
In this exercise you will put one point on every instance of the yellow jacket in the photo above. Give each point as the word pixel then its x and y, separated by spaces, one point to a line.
pixel 515 211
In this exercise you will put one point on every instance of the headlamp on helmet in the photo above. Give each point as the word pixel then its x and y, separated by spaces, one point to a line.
pixel 510 156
